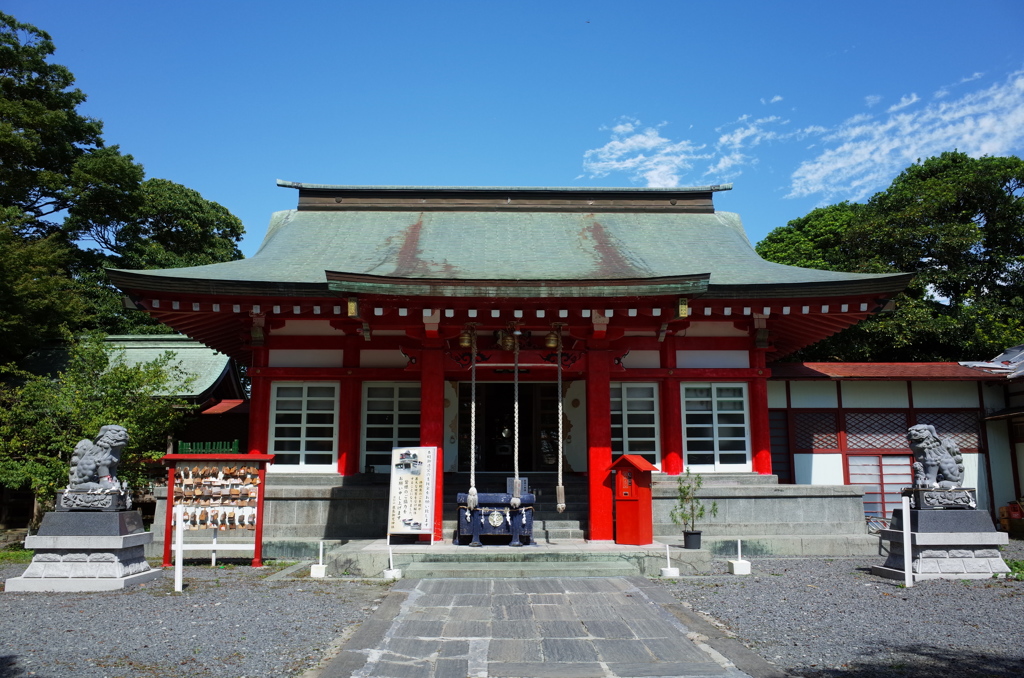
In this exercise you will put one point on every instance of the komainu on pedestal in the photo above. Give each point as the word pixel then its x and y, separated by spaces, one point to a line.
pixel 949 537
pixel 93 541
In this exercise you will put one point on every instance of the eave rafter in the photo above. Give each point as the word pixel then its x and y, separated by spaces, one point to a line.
pixel 778 325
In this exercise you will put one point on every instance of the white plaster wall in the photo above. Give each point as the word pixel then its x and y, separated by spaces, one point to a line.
pixel 813 394
pixel 305 358
pixel 642 359
pixel 975 476
pixel 574 412
pixel 818 469
pixel 377 358
pixel 945 393
pixel 999 451
pixel 875 394
pixel 307 328
pixel 994 396
pixel 777 394
pixel 451 426
pixel 722 359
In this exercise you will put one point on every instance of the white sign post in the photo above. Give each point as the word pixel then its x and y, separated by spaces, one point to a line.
pixel 411 503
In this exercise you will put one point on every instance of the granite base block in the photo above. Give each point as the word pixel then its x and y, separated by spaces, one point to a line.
pixel 938 555
pixel 83 551
pixel 79 585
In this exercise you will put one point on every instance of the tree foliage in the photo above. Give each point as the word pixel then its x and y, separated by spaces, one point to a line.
pixel 43 417
pixel 955 221
pixel 71 206
pixel 37 297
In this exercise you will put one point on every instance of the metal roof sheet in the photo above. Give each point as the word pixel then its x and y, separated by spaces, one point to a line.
pixel 923 371
pixel 205 364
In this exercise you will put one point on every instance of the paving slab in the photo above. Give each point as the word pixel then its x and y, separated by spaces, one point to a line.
pixel 562 627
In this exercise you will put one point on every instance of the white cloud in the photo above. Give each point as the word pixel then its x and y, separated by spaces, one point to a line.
pixel 905 100
pixel 645 155
pixel 863 154
pixel 851 160
pixel 774 100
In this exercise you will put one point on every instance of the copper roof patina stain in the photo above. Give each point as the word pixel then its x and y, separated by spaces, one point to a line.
pixel 609 259
pixel 409 262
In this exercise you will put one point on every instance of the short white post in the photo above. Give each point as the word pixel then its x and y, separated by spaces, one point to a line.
pixel 213 553
pixel 908 546
pixel 668 570
pixel 179 542
pixel 319 571
pixel 739 566
pixel 391 572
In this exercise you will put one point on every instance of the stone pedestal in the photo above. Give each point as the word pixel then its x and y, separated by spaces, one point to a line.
pixel 946 544
pixel 87 551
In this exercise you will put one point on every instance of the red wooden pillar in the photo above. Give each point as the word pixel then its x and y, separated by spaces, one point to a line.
pixel 259 403
pixel 432 421
pixel 760 432
pixel 671 428
pixel 599 444
pixel 349 422
pixel 671 413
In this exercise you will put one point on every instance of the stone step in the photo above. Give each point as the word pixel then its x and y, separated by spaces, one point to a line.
pixel 517 570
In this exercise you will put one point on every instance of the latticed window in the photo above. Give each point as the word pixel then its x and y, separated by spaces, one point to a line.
pixel 391 418
pixel 304 432
pixel 882 476
pixel 782 465
pixel 715 427
pixel 876 430
pixel 815 431
pixel 962 427
pixel 635 421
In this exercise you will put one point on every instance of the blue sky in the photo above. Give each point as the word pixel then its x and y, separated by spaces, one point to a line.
pixel 798 104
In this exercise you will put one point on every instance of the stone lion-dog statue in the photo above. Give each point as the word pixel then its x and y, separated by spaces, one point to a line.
pixel 94 462
pixel 938 463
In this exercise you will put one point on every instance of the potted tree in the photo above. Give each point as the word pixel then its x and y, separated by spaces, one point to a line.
pixel 689 508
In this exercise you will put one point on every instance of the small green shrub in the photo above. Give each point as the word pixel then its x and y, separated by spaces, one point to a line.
pixel 16 553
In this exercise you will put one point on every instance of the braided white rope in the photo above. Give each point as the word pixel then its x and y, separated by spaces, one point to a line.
pixel 560 489
pixel 515 501
pixel 471 499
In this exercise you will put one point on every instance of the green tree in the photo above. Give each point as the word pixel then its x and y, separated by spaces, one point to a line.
pixel 955 221
pixel 52 155
pixel 60 182
pixel 43 417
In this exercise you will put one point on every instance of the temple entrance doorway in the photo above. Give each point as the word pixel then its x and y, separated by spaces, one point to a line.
pixel 495 413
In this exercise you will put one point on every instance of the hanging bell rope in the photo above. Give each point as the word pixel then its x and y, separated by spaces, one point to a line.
pixel 472 499
pixel 515 502
pixel 560 489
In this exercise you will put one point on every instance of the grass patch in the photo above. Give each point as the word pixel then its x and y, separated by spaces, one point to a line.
pixel 16 553
pixel 1016 569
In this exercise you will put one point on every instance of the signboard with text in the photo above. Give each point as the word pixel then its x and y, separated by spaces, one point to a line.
pixel 411 504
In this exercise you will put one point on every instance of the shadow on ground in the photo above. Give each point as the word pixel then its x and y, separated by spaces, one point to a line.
pixel 926 662
pixel 9 667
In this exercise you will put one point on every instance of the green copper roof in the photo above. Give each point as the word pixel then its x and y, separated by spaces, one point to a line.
pixel 206 365
pixel 425 247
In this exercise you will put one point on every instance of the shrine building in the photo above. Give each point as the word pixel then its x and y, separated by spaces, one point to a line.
pixel 353 321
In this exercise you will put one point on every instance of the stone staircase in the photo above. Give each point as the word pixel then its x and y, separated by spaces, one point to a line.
pixel 520 563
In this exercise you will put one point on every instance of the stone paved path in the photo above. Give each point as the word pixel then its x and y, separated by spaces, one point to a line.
pixel 528 628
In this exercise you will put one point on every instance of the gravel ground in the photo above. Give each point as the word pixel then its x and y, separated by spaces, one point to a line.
pixel 830 617
pixel 815 617
pixel 227 622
